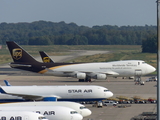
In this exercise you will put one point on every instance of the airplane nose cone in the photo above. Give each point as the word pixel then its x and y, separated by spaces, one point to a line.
pixel 86 113
pixel 151 69
pixel 110 94
pixel 78 117
pixel 154 69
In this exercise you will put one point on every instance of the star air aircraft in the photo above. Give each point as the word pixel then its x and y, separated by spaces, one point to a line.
pixel 58 93
pixel 81 109
pixel 50 112
pixel 82 71
pixel 20 115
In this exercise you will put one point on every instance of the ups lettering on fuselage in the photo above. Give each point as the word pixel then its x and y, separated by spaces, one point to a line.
pixel 46 112
pixel 80 91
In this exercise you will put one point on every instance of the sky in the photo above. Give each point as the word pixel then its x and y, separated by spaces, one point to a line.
pixel 82 12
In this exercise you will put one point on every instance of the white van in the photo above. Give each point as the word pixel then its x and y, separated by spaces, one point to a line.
pixel 109 103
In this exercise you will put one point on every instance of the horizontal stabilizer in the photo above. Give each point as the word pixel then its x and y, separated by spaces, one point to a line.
pixel 19 65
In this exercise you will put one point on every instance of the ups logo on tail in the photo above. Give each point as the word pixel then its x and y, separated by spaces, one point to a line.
pixel 17 53
pixel 46 59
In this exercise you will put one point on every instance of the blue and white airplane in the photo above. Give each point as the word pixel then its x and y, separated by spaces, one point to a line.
pixel 58 93
pixel 20 115
pixel 50 112
pixel 81 109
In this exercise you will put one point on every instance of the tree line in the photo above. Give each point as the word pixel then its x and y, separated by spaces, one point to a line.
pixel 61 33
pixel 149 44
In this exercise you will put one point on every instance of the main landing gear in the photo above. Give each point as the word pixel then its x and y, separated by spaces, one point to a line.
pixel 85 80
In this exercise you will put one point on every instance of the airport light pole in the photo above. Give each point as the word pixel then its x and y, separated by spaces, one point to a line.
pixel 158 61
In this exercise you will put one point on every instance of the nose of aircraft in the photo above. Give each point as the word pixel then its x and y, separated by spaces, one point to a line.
pixel 78 117
pixel 109 94
pixel 151 69
pixel 86 113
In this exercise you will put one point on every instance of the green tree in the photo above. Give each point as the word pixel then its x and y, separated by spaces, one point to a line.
pixel 150 44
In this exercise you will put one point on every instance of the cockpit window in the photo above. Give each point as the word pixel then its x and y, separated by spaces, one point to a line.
pixel 106 90
pixel 73 112
pixel 82 107
pixel 143 62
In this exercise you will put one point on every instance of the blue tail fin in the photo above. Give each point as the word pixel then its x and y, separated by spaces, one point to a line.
pixel 7 83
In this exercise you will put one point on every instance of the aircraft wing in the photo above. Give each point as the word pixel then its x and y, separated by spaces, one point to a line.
pixel 107 72
pixel 36 97
pixel 29 96
pixel 110 73
pixel 87 72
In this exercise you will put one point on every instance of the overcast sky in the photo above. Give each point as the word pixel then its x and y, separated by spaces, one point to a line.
pixel 81 12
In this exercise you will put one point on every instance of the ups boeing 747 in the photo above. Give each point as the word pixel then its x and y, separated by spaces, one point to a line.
pixel 82 71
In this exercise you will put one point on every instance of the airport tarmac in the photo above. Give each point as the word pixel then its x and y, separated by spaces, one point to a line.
pixel 119 86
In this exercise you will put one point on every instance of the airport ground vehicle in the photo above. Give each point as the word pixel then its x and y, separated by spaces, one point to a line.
pixel 109 103
pixel 99 104
pixel 153 78
pixel 152 100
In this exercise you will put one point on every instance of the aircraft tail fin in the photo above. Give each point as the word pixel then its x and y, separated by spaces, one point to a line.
pixel 19 54
pixel 45 57
pixel 7 83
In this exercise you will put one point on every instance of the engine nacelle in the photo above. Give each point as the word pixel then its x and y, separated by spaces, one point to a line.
pixel 80 75
pixel 101 76
pixel 50 99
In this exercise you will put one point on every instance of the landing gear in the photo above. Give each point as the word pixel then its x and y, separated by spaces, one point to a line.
pixel 81 80
pixel 87 79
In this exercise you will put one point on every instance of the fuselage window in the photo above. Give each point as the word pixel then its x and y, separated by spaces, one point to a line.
pixel 138 63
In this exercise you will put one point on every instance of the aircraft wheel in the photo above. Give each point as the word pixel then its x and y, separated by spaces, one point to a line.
pixel 81 80
pixel 88 80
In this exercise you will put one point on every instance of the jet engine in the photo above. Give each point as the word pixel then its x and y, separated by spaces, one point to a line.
pixel 50 99
pixel 80 75
pixel 101 76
